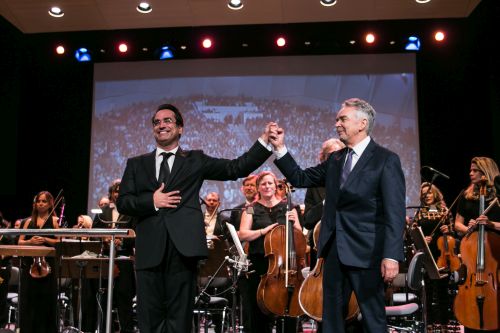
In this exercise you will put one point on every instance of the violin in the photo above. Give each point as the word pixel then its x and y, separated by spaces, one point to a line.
pixel 448 258
pixel 278 289
pixel 476 304
pixel 311 291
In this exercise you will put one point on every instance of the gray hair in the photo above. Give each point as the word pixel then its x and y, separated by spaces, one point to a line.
pixel 363 110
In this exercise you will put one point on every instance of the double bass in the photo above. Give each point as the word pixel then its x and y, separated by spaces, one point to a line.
pixel 278 290
pixel 311 292
pixel 476 304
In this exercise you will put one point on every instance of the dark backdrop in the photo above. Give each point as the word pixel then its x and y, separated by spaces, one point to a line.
pixel 46 104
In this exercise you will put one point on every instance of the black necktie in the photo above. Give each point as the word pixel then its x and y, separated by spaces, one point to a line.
pixel 164 168
pixel 346 170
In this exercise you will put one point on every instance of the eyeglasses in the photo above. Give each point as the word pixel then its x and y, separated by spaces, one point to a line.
pixel 168 121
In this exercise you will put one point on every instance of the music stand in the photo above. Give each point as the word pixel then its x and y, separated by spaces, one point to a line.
pixel 429 263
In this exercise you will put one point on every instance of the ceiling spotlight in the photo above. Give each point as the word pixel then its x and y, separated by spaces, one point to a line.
pixel 413 44
pixel 328 3
pixel 235 4
pixel 422 1
pixel 82 55
pixel 56 12
pixel 183 47
pixel 144 8
pixel 352 42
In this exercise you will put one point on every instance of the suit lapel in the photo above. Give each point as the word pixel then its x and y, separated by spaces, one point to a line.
pixel 149 162
pixel 180 159
pixel 365 157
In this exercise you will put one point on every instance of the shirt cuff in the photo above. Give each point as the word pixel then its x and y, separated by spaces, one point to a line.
pixel 391 260
pixel 266 145
pixel 280 153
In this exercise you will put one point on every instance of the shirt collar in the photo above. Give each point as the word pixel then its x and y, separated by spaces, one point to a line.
pixel 361 146
pixel 160 150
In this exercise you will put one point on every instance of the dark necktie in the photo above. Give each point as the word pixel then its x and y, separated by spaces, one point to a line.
pixel 164 168
pixel 346 170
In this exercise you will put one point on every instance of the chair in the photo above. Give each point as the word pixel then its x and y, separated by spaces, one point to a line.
pixel 403 317
pixel 13 297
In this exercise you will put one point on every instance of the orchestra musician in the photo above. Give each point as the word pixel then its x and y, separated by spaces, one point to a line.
pixel 269 211
pixel 38 301
pixel 467 216
pixel 433 212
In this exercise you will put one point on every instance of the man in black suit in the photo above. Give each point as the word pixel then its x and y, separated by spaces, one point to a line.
pixel 249 190
pixel 170 229
pixel 361 235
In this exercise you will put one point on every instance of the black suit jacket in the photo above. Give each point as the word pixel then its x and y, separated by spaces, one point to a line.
pixel 184 224
pixel 313 203
pixel 367 214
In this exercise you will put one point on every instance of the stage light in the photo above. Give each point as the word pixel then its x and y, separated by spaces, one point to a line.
pixel 281 41
pixel 56 12
pixel 328 3
pixel 60 50
pixel 166 53
pixel 82 55
pixel 413 44
pixel 122 47
pixel 370 38
pixel 235 4
pixel 207 43
pixel 439 36
pixel 144 8
pixel 422 1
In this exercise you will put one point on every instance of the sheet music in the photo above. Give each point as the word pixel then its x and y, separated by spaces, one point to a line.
pixel 236 240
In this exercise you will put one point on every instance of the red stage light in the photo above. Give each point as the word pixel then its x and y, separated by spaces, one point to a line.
pixel 370 38
pixel 207 43
pixel 122 47
pixel 439 36
pixel 281 41
pixel 60 49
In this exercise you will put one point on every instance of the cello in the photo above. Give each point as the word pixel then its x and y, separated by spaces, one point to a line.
pixel 278 289
pixel 476 304
pixel 311 291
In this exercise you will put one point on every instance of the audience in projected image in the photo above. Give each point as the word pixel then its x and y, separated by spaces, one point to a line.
pixel 229 135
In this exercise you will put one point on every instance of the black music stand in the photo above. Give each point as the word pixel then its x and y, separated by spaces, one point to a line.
pixel 429 266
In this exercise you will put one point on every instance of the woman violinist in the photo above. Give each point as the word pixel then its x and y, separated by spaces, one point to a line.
pixel 269 211
pixel 39 294
pixel 467 220
pixel 434 219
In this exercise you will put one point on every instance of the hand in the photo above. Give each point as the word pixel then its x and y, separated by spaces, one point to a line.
pixel 277 138
pixel 268 228
pixel 444 229
pixel 389 269
pixel 268 130
pixel 37 240
pixel 484 220
pixel 472 224
pixel 428 239
pixel 166 200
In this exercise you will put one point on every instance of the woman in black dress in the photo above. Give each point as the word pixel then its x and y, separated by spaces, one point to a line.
pixel 38 307
pixel 269 211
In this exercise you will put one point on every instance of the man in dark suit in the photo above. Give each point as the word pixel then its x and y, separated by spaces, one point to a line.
pixel 170 230
pixel 361 235
pixel 249 190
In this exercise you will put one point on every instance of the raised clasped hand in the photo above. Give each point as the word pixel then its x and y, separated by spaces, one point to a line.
pixel 166 200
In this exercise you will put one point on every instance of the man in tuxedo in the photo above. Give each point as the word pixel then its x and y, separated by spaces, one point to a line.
pixel 361 235
pixel 164 196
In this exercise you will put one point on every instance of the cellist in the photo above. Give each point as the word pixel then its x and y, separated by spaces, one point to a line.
pixel 433 212
pixel 467 218
pixel 269 211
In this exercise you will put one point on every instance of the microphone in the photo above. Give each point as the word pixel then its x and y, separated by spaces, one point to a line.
pixel 436 171
pixel 241 263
